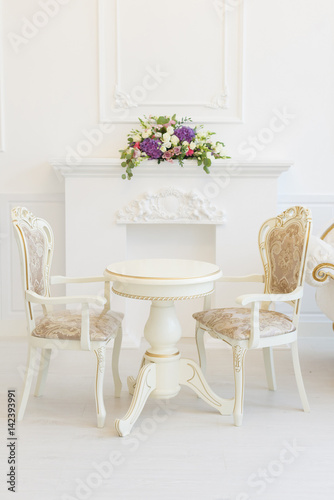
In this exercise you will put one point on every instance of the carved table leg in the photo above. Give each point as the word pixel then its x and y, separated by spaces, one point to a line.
pixel 192 376
pixel 132 381
pixel 145 384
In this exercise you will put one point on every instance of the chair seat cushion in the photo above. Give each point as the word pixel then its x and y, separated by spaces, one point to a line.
pixel 66 325
pixel 235 322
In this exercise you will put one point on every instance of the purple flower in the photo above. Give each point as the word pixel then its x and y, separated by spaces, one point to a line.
pixel 151 147
pixel 185 133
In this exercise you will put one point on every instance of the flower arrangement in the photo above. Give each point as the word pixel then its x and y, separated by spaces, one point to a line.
pixel 165 138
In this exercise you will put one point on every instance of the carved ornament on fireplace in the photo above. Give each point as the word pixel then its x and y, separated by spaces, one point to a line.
pixel 170 205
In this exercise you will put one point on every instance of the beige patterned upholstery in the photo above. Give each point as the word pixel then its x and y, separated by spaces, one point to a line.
pixel 66 325
pixel 235 322
pixel 35 244
pixel 285 252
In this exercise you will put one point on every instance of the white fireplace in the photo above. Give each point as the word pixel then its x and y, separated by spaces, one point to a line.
pixel 166 211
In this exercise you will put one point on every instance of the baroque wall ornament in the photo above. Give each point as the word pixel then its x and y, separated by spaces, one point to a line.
pixel 170 205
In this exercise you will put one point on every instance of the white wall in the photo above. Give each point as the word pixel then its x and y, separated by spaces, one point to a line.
pixel 51 96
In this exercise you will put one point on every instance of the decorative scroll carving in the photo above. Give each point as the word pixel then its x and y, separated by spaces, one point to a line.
pixel 219 101
pixel 23 213
pixel 123 100
pixel 100 356
pixel 323 271
pixel 238 354
pixel 170 205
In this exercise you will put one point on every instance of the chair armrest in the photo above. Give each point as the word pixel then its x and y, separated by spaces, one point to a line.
pixel 270 297
pixel 323 271
pixel 57 280
pixel 250 278
pixel 75 299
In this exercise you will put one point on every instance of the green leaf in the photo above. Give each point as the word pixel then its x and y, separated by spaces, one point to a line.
pixel 123 176
pixel 206 170
pixel 123 164
pixel 162 120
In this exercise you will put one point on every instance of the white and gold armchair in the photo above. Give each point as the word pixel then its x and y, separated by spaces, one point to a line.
pixel 283 242
pixel 88 329
pixel 320 271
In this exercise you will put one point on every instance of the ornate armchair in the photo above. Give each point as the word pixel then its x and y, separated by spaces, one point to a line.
pixel 320 271
pixel 283 242
pixel 88 329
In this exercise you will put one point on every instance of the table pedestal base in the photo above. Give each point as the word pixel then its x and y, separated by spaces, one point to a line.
pixel 163 371
pixel 147 385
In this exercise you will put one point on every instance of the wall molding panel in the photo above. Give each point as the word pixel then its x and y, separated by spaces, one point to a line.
pixel 210 86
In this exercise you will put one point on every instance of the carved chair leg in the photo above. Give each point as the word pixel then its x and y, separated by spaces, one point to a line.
pixel 239 380
pixel 43 372
pixel 270 368
pixel 298 375
pixel 30 371
pixel 200 347
pixel 115 363
pixel 101 363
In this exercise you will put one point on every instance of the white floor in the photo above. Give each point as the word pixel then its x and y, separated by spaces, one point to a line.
pixel 181 449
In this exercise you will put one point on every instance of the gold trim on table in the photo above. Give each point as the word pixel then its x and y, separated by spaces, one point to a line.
pixel 177 297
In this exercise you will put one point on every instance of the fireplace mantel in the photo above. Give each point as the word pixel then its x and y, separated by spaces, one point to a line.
pixel 110 167
pixel 166 211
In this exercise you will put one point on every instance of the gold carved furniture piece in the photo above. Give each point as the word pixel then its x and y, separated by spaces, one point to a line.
pixel 283 243
pixel 88 326
pixel 321 271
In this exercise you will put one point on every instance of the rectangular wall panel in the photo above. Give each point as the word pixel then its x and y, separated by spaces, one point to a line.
pixel 156 62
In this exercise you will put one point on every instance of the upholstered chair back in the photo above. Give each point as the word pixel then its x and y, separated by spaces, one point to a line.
pixel 283 242
pixel 34 237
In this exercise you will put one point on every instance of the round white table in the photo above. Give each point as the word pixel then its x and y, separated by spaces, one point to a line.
pixel 162 281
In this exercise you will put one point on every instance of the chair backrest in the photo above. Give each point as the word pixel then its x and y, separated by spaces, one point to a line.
pixel 283 242
pixel 34 237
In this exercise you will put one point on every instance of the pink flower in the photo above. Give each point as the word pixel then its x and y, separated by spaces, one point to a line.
pixel 168 155
pixel 177 150
pixel 137 144
pixel 190 152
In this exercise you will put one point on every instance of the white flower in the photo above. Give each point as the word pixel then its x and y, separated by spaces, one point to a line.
pixel 170 130
pixel 166 137
pixel 175 140
pixel 208 154
pixel 167 144
pixel 146 133
pixel 158 134
pixel 219 148
pixel 185 143
pixel 192 145
pixel 163 149
pixel 137 138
